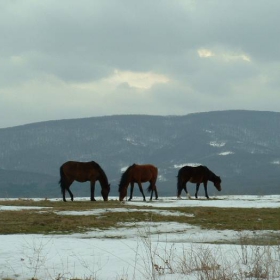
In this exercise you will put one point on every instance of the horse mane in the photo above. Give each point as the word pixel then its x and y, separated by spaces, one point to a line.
pixel 101 171
pixel 124 177
pixel 212 176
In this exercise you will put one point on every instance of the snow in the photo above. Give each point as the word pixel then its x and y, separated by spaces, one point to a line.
pixel 226 153
pixel 176 166
pixel 129 251
pixel 16 208
pixel 217 144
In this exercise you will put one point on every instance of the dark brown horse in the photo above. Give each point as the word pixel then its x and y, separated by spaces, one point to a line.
pixel 138 174
pixel 91 171
pixel 198 175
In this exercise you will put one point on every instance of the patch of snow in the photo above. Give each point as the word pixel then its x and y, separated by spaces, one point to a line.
pixel 276 162
pixel 126 252
pixel 177 166
pixel 123 169
pixel 161 178
pixel 242 201
pixel 217 144
pixel 226 153
pixel 19 208
pixel 121 210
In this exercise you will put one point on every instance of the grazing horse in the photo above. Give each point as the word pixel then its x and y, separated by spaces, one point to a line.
pixel 138 174
pixel 199 174
pixel 91 171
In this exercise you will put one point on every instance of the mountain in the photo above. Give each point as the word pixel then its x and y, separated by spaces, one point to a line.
pixel 243 147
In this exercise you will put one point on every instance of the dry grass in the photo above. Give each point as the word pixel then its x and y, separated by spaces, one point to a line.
pixel 47 221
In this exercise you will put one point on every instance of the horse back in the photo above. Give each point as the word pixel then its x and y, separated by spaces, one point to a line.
pixel 80 171
pixel 197 174
pixel 145 172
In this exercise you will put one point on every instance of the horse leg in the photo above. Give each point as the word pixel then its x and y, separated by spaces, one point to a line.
pixel 92 189
pixel 186 190
pixel 66 186
pixel 205 188
pixel 151 197
pixel 131 190
pixel 179 191
pixel 70 193
pixel 63 194
pixel 156 193
pixel 154 188
pixel 197 188
pixel 179 187
pixel 141 190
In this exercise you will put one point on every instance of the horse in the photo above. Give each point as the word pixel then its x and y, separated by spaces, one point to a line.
pixel 199 174
pixel 91 171
pixel 138 174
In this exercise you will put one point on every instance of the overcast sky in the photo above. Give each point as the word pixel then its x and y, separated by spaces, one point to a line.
pixel 73 59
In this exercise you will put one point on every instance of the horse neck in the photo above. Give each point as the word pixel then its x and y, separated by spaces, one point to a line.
pixel 212 176
pixel 102 178
pixel 126 178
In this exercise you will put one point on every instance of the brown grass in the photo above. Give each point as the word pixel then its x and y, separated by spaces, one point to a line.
pixel 47 221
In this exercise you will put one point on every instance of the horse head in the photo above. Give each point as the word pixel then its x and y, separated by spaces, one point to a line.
pixel 123 192
pixel 217 183
pixel 105 192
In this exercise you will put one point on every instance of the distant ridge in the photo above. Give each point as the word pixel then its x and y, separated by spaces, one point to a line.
pixel 243 147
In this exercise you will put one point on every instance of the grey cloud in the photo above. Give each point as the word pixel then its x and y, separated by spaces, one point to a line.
pixel 85 41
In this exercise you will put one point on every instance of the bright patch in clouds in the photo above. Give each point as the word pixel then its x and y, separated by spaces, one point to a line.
pixel 205 53
pixel 226 56
pixel 17 60
pixel 138 80
pixel 141 80
pixel 231 57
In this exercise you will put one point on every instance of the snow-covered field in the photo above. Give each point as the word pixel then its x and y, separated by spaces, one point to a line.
pixel 145 250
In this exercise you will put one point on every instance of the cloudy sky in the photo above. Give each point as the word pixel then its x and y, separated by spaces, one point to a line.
pixel 73 59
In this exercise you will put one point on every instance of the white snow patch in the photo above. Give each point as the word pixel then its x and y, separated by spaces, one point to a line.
pixel 19 208
pixel 242 201
pixel 276 162
pixel 161 178
pixel 127 252
pixel 217 144
pixel 226 153
pixel 123 169
pixel 177 166
pixel 122 210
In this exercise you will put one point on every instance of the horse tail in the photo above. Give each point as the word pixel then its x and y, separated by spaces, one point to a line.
pixel 178 182
pixel 62 179
pixel 150 188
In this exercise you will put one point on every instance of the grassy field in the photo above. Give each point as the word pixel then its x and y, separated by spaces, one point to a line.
pixel 48 221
